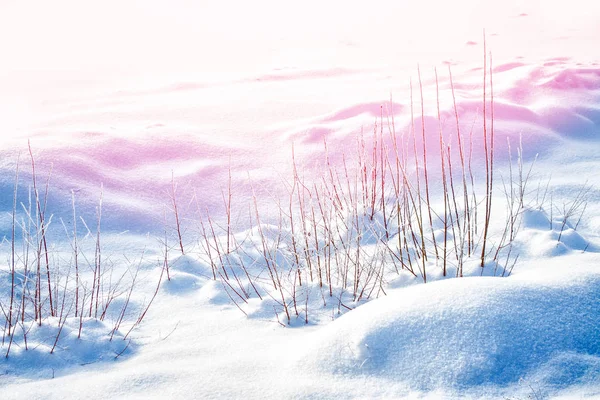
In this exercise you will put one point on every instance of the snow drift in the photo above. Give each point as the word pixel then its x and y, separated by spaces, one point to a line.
pixel 473 332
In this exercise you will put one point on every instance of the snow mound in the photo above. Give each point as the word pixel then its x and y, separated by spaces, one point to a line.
pixel 470 333
pixel 186 275
pixel 96 344
pixel 542 238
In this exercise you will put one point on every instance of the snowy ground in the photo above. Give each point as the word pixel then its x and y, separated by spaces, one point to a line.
pixel 129 99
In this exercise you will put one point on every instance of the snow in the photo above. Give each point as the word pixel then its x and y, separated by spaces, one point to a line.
pixel 200 104
pixel 93 345
pixel 476 332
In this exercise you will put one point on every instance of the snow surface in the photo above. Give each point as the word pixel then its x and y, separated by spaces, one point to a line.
pixel 131 95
